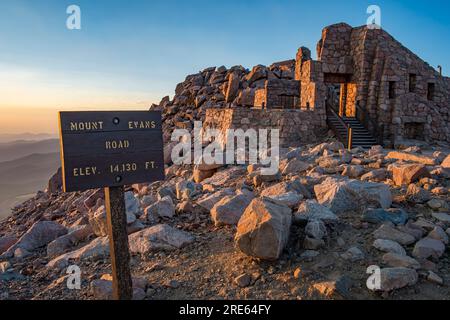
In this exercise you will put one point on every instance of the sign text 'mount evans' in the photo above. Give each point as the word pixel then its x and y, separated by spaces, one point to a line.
pixel 108 149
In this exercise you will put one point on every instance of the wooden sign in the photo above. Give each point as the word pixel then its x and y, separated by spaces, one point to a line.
pixel 112 149
pixel 107 149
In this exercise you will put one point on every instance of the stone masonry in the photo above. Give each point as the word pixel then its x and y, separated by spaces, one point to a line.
pixel 380 80
pixel 296 126
pixel 399 92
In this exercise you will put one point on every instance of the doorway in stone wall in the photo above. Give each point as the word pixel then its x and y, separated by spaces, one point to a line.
pixel 341 94
pixel 333 96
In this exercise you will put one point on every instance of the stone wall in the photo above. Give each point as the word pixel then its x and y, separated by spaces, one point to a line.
pixel 296 126
pixel 413 110
pixel 334 49
pixel 220 118
pixel 312 88
pixel 379 69
pixel 274 89
pixel 260 98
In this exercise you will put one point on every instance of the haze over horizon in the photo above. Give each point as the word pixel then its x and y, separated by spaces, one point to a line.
pixel 129 55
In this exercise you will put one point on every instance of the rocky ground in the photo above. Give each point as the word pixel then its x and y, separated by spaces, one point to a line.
pixel 213 232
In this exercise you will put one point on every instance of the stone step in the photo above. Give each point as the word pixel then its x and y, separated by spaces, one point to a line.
pixel 361 136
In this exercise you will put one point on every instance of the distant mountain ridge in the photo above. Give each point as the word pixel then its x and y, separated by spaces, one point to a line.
pixel 25 167
pixel 10 137
pixel 22 148
pixel 23 177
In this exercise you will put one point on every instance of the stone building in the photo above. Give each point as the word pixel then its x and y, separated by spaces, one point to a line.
pixel 362 78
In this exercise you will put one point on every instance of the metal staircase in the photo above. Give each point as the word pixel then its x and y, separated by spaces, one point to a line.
pixel 361 137
pixel 350 131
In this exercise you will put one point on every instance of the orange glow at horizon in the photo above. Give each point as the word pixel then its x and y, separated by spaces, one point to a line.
pixel 43 120
pixel 30 100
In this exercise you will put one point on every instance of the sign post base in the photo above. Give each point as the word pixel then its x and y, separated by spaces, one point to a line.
pixel 118 243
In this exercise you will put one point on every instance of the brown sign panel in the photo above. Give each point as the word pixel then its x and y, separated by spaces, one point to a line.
pixel 110 149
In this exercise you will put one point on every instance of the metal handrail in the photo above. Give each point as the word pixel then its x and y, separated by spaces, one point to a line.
pixel 376 131
pixel 338 117
pixel 348 137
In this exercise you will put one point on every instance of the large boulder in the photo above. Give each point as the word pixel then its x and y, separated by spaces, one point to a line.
pixel 102 289
pixel 396 216
pixel 329 162
pixel 341 195
pixel 159 237
pixel 164 208
pixel 258 72
pixel 353 254
pixel 442 217
pixel 446 163
pixel 168 148
pixel 290 199
pixel 67 241
pixel 312 210
pixel 334 146
pixel 97 221
pixel 148 200
pixel 428 247
pixel 405 174
pixel 209 201
pixel 353 171
pixel 94 200
pixel 184 189
pixel 96 249
pixel 229 210
pixel 405 156
pixel 263 230
pixel 259 179
pixel 417 194
pixel 316 229
pixel 246 97
pixel 286 187
pixel 389 246
pixel 233 87
pixel 99 224
pixel 224 176
pixel 39 235
pixel 396 278
pixel 132 204
pixel 389 233
pixel 439 234
pixel 377 175
pixel 201 175
pixel 400 260
pixel 295 166
pixel 7 242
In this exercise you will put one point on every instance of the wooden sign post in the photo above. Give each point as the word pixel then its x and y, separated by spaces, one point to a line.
pixel 109 150
pixel 118 243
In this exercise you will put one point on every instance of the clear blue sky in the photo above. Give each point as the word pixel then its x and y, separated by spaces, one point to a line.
pixel 131 53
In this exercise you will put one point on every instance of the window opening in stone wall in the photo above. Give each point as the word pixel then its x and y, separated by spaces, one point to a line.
pixel 391 89
pixel 287 102
pixel 414 130
pixel 412 82
pixel 430 91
